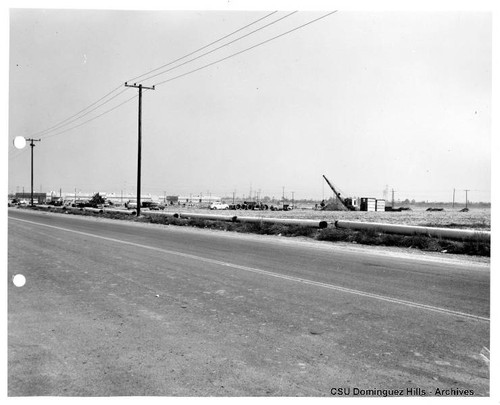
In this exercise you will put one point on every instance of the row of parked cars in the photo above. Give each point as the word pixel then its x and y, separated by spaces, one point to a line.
pixel 155 206
pixel 18 203
pixel 250 205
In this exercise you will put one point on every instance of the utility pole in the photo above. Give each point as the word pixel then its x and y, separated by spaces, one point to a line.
pixel 32 144
pixel 392 198
pixel 466 199
pixel 453 204
pixel 293 199
pixel 139 151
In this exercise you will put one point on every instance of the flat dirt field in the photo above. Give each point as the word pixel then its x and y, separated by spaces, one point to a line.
pixel 476 218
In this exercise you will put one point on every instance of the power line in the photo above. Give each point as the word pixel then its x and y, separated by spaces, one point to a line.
pixel 87 113
pixel 60 124
pixel 86 108
pixel 17 153
pixel 220 47
pixel 65 121
pixel 245 50
pixel 203 47
pixel 92 119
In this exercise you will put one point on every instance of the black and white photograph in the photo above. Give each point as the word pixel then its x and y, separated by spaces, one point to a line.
pixel 237 199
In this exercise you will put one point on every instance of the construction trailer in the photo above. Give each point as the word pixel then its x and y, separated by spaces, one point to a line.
pixel 380 205
pixel 368 204
pixel 371 204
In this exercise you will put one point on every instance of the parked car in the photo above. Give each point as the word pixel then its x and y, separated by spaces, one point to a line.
pixel 219 206
pixel 156 206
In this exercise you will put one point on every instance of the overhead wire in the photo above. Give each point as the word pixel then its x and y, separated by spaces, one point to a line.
pixel 62 123
pixel 88 112
pixel 94 118
pixel 203 47
pixel 220 47
pixel 17 153
pixel 245 50
pixel 79 115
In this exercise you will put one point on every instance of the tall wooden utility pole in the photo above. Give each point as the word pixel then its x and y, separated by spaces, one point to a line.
pixel 32 144
pixel 466 198
pixel 139 151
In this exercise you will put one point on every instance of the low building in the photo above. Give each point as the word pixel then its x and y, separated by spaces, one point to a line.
pixel 368 204
pixel 198 199
pixel 380 205
pixel 38 198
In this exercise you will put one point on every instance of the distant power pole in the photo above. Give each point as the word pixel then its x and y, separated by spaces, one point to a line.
pixel 32 144
pixel 466 198
pixel 453 204
pixel 392 198
pixel 140 87
pixel 293 199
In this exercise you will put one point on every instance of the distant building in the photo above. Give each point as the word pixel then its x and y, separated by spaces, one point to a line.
pixel 39 198
pixel 172 199
pixel 368 204
pixel 199 199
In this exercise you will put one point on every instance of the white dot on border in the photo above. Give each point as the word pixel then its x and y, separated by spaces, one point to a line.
pixel 19 280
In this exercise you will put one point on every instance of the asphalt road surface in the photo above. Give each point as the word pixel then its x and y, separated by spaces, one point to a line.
pixel 114 308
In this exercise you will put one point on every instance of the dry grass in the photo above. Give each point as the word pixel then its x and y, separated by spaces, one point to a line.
pixel 476 218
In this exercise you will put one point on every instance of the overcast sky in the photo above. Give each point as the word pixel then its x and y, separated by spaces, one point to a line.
pixel 370 99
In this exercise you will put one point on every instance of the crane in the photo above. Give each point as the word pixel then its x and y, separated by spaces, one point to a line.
pixel 347 204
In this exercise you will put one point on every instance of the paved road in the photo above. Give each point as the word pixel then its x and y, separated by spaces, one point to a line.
pixel 116 308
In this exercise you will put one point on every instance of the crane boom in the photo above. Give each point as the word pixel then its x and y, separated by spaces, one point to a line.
pixel 350 208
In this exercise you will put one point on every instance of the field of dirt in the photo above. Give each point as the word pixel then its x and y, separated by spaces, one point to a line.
pixel 476 218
